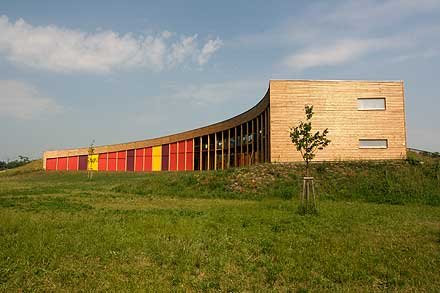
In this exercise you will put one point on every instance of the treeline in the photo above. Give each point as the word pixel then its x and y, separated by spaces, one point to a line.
pixel 22 160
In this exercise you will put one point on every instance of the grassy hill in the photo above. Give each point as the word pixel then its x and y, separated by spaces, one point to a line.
pixel 233 230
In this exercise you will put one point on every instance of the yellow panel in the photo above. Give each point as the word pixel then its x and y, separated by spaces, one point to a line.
pixel 157 158
pixel 92 162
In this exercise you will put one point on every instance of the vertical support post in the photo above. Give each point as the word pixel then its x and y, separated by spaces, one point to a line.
pixel 209 150
pixel 228 165
pixel 235 146
pixel 215 151
pixel 268 136
pixel 241 144
pixel 260 117
pixel 266 153
pixel 247 143
pixel 253 141
pixel 257 140
pixel 223 150
pixel 200 154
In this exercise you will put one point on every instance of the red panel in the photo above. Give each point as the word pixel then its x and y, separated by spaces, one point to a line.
pixel 189 161
pixel 189 154
pixel 62 164
pixel 139 165
pixel 102 162
pixel 111 161
pixel 173 156
pixel 189 146
pixel 51 164
pixel 73 164
pixel 121 161
pixel 148 159
pixel 181 155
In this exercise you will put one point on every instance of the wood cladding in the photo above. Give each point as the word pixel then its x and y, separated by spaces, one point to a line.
pixel 336 108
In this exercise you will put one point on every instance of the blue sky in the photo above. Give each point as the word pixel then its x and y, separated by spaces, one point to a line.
pixel 117 71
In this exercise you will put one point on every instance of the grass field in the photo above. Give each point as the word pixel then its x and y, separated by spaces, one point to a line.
pixel 238 230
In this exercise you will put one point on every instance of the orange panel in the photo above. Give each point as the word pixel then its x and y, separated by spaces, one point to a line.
pixel 121 160
pixel 62 164
pixel 148 159
pixel 139 165
pixel 173 156
pixel 111 161
pixel 102 162
pixel 73 164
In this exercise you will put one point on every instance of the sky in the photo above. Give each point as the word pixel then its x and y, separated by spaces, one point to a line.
pixel 117 71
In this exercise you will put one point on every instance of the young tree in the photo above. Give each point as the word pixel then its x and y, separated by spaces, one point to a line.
pixel 308 143
pixel 91 160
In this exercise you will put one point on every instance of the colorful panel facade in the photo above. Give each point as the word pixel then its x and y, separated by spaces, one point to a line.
pixel 173 156
pixel 148 160
pixel 112 161
pixel 51 164
pixel 139 160
pixel 165 157
pixel 83 162
pixel 157 158
pixel 92 162
pixel 102 162
pixel 130 160
pixel 189 155
pixel 62 164
pixel 181 156
pixel 72 163
pixel 121 161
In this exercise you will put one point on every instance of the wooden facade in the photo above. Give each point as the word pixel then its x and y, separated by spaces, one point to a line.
pixel 261 134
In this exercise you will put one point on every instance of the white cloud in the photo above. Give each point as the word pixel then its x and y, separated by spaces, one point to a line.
pixel 208 50
pixel 330 34
pixel 340 52
pixel 65 50
pixel 182 50
pixel 23 101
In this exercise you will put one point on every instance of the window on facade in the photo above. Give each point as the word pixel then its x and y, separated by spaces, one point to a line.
pixel 373 143
pixel 371 104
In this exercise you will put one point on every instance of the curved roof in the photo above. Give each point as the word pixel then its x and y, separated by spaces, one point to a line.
pixel 213 128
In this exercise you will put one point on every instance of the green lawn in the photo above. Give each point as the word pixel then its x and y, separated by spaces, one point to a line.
pixel 216 231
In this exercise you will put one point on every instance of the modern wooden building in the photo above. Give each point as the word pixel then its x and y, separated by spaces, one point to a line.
pixel 366 121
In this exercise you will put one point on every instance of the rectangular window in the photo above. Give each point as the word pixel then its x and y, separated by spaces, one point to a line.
pixel 373 143
pixel 371 104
